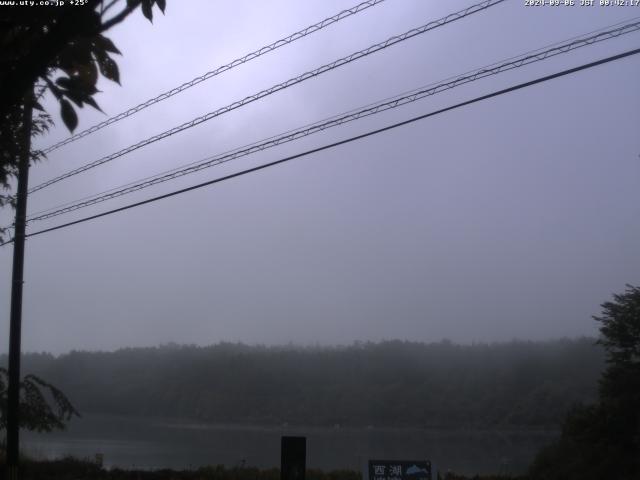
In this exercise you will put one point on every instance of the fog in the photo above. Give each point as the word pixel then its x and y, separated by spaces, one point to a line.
pixel 511 218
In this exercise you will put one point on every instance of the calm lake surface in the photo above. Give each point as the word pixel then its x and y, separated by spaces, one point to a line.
pixel 163 443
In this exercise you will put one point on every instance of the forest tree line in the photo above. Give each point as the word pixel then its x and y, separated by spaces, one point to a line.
pixel 387 384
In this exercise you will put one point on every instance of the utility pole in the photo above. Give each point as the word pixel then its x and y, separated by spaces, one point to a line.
pixel 15 325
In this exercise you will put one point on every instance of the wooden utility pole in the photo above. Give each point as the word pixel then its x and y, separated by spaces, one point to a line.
pixel 15 325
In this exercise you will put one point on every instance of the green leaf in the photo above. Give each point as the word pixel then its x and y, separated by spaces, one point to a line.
pixel 88 75
pixel 146 9
pixel 75 97
pixel 77 86
pixel 106 44
pixel 109 68
pixel 65 82
pixel 55 90
pixel 93 103
pixel 79 95
pixel 78 52
pixel 68 115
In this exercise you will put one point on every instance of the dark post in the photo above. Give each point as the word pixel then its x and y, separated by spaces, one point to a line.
pixel 293 458
pixel 13 418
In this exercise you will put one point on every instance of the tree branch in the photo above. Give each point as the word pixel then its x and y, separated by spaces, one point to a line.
pixel 106 9
pixel 120 17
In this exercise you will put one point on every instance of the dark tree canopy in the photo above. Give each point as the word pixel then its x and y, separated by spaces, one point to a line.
pixel 61 50
pixel 43 407
pixel 391 384
pixel 603 440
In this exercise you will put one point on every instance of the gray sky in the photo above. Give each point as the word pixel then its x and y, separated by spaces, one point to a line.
pixel 513 218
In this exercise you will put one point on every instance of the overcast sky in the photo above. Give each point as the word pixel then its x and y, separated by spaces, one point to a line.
pixel 511 218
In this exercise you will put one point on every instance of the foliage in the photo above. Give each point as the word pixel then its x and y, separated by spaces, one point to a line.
pixel 61 50
pixel 395 384
pixel 36 400
pixel 11 125
pixel 603 440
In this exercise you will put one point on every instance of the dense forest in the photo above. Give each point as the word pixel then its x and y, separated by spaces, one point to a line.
pixel 391 384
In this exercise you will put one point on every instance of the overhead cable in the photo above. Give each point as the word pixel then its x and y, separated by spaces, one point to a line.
pixel 372 109
pixel 281 86
pixel 345 141
pixel 217 71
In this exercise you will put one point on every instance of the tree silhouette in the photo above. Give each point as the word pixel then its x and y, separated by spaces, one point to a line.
pixel 61 50
pixel 43 407
pixel 603 440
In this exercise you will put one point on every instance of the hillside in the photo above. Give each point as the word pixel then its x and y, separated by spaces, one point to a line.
pixel 395 384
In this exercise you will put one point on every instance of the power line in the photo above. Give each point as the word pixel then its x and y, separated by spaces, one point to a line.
pixel 372 109
pixel 540 49
pixel 281 86
pixel 217 71
pixel 345 141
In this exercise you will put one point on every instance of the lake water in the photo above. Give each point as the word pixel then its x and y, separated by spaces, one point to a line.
pixel 162 443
